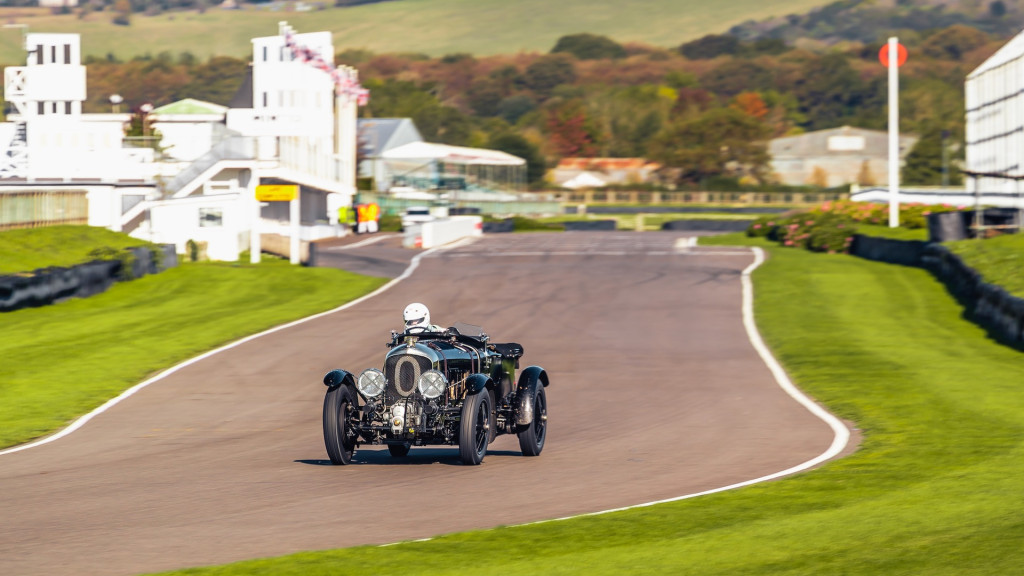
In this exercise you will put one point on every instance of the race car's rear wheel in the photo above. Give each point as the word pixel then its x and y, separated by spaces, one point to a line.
pixel 531 438
pixel 474 431
pixel 340 439
pixel 399 450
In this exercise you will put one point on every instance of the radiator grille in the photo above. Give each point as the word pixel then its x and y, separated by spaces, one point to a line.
pixel 402 372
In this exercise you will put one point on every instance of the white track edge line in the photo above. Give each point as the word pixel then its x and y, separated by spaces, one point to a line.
pixel 841 432
pixel 839 441
pixel 81 421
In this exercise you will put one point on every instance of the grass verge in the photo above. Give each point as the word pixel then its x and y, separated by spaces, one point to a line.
pixel 62 361
pixel 934 488
pixel 27 249
pixel 999 260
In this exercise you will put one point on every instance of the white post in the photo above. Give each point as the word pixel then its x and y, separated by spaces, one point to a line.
pixel 293 249
pixel 894 134
pixel 254 220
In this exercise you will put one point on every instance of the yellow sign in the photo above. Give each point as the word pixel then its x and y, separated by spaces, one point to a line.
pixel 277 192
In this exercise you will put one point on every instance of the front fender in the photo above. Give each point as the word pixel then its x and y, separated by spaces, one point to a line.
pixel 338 377
pixel 477 383
pixel 529 380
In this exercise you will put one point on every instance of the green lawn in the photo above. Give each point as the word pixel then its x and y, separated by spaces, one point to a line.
pixel 1000 260
pixel 25 250
pixel 434 27
pixel 934 488
pixel 62 361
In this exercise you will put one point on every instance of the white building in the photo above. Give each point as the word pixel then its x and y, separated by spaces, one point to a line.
pixel 835 157
pixel 50 151
pixel 994 99
pixel 295 126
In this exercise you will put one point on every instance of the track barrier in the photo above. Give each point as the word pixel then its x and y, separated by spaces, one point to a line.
pixel 47 286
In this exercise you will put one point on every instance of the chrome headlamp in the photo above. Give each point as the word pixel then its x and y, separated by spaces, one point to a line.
pixel 432 384
pixel 371 383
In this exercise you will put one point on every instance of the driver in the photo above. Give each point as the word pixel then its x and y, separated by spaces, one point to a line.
pixel 417 319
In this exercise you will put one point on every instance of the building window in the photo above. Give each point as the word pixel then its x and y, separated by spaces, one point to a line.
pixel 67 53
pixel 265 54
pixel 53 54
pixel 211 217
pixel 40 108
pixel 67 107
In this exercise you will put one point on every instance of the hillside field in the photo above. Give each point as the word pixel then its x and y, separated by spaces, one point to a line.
pixel 432 27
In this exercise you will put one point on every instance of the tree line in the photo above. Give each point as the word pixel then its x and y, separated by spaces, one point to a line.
pixel 704 109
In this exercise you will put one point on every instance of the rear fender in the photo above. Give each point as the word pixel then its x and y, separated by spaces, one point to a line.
pixel 529 380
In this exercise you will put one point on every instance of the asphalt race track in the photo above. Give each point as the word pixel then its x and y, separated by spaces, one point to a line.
pixel 656 392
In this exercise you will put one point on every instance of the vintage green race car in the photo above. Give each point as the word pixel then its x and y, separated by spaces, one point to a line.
pixel 450 387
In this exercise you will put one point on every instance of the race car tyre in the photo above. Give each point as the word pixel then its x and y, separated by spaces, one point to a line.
pixel 399 450
pixel 475 428
pixel 339 404
pixel 531 438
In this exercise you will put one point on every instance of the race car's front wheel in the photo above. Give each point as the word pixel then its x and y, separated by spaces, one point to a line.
pixel 531 438
pixel 340 439
pixel 474 431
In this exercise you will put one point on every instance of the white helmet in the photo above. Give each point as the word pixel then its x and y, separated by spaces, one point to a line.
pixel 417 317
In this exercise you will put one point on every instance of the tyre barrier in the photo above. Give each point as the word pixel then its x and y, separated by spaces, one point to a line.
pixel 903 252
pixel 588 225
pixel 47 286
pixel 707 225
pixel 987 305
pixel 500 226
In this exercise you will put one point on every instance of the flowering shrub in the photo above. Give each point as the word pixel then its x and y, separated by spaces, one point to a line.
pixel 831 226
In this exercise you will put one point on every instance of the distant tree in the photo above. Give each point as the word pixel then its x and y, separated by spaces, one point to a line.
pixel 547 72
pixel 571 131
pixel 692 101
pixel 924 163
pixel 954 42
pixel 678 79
pixel 997 9
pixel 710 46
pixel 719 142
pixel 403 99
pixel 735 76
pixel 589 47
pixel 770 46
pixel 514 107
pixel 123 13
pixel 458 58
pixel 484 96
pixel 830 91
pixel 751 104
pixel 508 77
pixel 519 146
pixel 216 80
